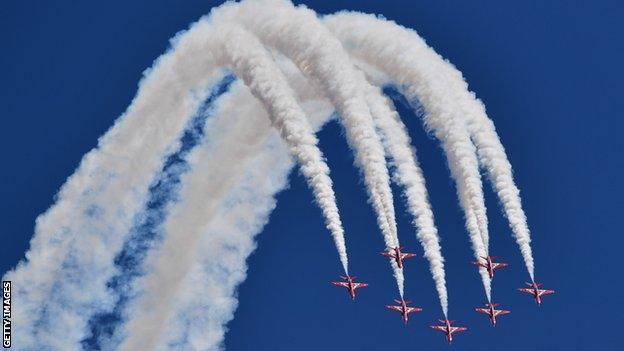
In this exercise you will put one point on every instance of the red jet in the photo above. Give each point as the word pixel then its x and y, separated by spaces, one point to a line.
pixel 403 309
pixel 490 265
pixel 491 311
pixel 536 291
pixel 350 285
pixel 397 255
pixel 448 329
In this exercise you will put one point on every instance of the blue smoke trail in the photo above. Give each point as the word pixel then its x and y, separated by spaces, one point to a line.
pixel 145 233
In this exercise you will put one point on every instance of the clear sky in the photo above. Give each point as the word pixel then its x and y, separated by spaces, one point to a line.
pixel 551 78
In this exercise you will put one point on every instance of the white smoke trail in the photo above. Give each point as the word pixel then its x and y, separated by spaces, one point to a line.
pixel 494 159
pixel 266 81
pixel 256 67
pixel 82 232
pixel 214 175
pixel 408 174
pixel 489 147
pixel 417 73
pixel 204 303
pixel 298 34
pixel 220 267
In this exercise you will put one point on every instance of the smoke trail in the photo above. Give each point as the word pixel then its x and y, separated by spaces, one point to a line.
pixel 205 302
pixel 494 159
pixel 417 73
pixel 185 223
pixel 408 174
pixel 81 233
pixel 255 66
pixel 162 193
pixel 298 34
pixel 233 138
pixel 489 148
pixel 211 283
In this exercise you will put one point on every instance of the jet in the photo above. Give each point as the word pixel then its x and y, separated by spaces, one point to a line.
pixel 490 265
pixel 448 329
pixel 350 285
pixel 491 311
pixel 397 255
pixel 403 309
pixel 536 291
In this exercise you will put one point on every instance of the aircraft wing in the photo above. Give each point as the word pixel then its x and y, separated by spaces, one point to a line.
pixel 439 328
pixel 387 254
pixel 457 329
pixel 394 308
pixel 526 291
pixel 482 310
pixel 413 309
pixel 546 292
pixel 500 312
pixel 343 284
pixel 407 255
pixel 359 285
pixel 499 265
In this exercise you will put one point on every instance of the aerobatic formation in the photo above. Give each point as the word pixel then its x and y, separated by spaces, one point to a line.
pixel 293 70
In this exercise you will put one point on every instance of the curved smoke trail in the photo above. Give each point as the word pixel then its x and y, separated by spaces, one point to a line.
pixel 494 159
pixel 251 62
pixel 163 193
pixel 299 35
pixel 204 300
pixel 421 80
pixel 408 174
pixel 489 147
pixel 82 233
pixel 186 222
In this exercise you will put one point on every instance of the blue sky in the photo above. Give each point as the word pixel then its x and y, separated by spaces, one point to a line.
pixel 550 77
